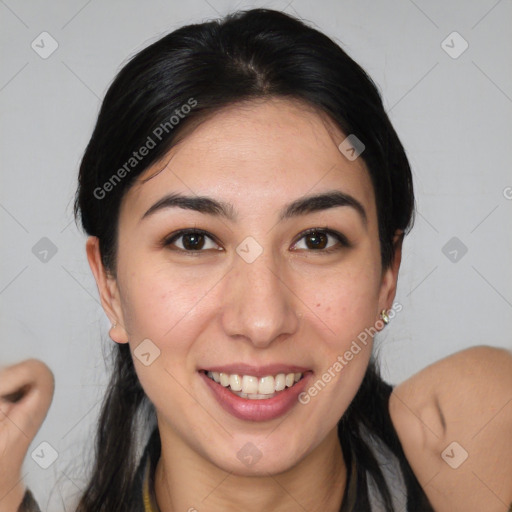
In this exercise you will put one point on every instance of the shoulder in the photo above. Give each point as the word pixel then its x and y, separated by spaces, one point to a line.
pixel 454 421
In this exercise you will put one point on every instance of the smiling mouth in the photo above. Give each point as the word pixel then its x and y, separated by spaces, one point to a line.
pixel 254 388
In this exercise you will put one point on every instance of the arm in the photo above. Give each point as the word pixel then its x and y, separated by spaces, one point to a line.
pixel 454 420
pixel 26 392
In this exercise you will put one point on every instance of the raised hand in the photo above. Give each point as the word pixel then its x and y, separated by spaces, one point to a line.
pixel 26 392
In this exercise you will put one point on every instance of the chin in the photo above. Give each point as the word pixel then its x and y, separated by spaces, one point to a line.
pixel 258 458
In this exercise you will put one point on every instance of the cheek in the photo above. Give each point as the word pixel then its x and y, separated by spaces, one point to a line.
pixel 157 302
pixel 165 309
pixel 343 304
pixel 170 309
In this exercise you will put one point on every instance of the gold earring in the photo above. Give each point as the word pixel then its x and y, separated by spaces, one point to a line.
pixel 114 325
pixel 384 316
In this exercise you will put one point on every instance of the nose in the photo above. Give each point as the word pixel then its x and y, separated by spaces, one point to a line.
pixel 258 304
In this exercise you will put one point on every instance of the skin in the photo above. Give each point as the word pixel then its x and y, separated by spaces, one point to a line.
pixel 26 392
pixel 464 398
pixel 291 305
pixel 215 308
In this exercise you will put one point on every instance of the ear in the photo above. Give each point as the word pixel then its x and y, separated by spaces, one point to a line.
pixel 108 291
pixel 390 275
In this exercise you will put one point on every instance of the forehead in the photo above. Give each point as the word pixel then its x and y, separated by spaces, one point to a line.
pixel 257 154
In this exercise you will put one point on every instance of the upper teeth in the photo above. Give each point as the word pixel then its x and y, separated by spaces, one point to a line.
pixel 248 384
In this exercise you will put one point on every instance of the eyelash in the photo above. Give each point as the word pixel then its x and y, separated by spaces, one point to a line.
pixel 342 240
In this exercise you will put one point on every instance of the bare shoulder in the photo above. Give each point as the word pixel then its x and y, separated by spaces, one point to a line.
pixel 454 420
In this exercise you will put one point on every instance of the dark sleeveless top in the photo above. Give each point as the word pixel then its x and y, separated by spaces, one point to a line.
pixel 146 474
pixel 361 494
pixel 361 490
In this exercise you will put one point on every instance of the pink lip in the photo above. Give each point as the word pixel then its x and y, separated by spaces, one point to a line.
pixel 257 410
pixel 256 371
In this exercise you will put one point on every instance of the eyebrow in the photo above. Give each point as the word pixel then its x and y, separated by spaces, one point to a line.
pixel 301 206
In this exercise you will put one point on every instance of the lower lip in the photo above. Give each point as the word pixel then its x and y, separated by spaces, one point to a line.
pixel 257 410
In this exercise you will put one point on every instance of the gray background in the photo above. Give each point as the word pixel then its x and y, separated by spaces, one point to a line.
pixel 452 114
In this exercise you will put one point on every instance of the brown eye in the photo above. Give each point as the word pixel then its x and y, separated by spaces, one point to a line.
pixel 322 240
pixel 316 240
pixel 190 241
pixel 193 241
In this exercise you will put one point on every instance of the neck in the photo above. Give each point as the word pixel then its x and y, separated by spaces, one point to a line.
pixel 186 481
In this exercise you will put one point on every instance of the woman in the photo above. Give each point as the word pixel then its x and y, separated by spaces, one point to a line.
pixel 246 199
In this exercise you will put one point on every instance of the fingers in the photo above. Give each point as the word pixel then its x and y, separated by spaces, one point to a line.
pixel 25 375
pixel 26 391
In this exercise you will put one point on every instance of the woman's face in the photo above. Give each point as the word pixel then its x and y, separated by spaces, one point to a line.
pixel 251 294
